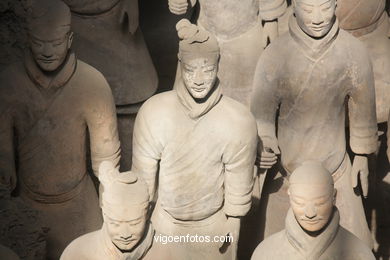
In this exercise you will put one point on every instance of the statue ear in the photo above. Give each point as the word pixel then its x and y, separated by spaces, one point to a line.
pixel 70 39
pixel 334 196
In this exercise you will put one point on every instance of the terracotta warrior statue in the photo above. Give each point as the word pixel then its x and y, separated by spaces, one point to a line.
pixel 369 22
pixel 108 37
pixel 196 149
pixel 307 74
pixel 48 105
pixel 126 233
pixel 7 254
pixel 312 228
pixel 237 25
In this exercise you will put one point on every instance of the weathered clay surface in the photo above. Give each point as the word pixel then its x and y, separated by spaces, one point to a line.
pixel 302 73
pixel 21 229
pixel 241 36
pixel 369 21
pixel 127 232
pixel 203 200
pixel 312 230
pixel 49 104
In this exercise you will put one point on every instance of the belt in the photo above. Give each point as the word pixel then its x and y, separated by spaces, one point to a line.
pixel 166 224
pixel 26 192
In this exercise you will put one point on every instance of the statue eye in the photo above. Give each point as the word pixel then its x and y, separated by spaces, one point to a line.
pixel 37 43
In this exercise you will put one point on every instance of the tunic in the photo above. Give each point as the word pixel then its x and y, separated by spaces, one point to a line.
pixel 294 243
pixel 369 22
pixel 45 125
pixel 107 36
pixel 309 82
pixel 237 26
pixel 97 245
pixel 201 155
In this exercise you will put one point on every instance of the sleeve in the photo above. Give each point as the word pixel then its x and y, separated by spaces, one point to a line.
pixel 146 149
pixel 130 15
pixel 7 151
pixel 272 9
pixel 265 99
pixel 102 126
pixel 239 160
pixel 362 108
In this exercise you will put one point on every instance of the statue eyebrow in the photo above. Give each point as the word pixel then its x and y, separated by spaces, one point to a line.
pixel 310 5
pixel 37 39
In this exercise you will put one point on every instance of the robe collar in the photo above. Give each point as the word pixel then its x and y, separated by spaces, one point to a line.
pixel 313 48
pixel 63 75
pixel 137 253
pixel 193 109
pixel 311 248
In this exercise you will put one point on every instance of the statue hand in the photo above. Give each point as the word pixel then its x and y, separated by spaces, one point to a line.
pixel 8 181
pixel 178 7
pixel 360 171
pixel 129 13
pixel 233 226
pixel 270 32
pixel 267 155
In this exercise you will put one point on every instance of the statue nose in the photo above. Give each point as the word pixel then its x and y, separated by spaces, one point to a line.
pixel 126 237
pixel 310 212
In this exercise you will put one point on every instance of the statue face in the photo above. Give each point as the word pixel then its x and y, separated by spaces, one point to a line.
pixel 199 75
pixel 315 17
pixel 312 205
pixel 126 234
pixel 50 49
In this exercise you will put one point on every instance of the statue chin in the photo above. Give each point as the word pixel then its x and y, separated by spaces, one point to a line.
pixel 49 66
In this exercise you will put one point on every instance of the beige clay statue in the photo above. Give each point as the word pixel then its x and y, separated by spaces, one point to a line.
pixel 237 25
pixel 108 37
pixel 312 227
pixel 48 105
pixel 307 74
pixel 126 233
pixel 369 22
pixel 196 149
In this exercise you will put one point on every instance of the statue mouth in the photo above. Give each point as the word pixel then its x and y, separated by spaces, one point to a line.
pixel 198 89
pixel 47 60
pixel 312 222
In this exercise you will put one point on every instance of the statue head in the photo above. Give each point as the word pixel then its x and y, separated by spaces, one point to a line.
pixel 198 57
pixel 312 196
pixel 49 32
pixel 315 17
pixel 125 203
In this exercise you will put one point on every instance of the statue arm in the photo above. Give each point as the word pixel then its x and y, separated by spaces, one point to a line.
pixel 239 160
pixel 7 151
pixel 146 149
pixel 265 102
pixel 130 14
pixel 272 9
pixel 102 127
pixel 362 122
pixel 180 7
pixel 362 111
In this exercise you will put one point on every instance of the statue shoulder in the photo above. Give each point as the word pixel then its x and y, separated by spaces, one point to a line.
pixel 271 248
pixel 83 247
pixel 90 76
pixel 238 117
pixel 159 105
